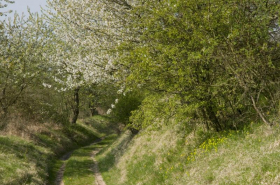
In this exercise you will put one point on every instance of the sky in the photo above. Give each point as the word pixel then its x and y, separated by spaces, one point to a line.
pixel 21 7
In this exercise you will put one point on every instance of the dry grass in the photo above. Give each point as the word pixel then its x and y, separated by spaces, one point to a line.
pixel 18 126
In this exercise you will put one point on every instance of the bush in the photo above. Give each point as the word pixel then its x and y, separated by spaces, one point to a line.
pixel 125 105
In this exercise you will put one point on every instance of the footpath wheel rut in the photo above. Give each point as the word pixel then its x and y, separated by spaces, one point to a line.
pixel 59 178
pixel 98 177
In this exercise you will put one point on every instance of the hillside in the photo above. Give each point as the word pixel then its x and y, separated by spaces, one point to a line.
pixel 34 158
pixel 173 156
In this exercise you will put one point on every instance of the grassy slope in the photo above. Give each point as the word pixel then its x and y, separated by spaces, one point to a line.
pixel 22 162
pixel 28 161
pixel 172 156
pixel 111 155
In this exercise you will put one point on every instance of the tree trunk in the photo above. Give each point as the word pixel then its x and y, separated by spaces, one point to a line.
pixel 205 119
pixel 5 112
pixel 93 109
pixel 76 109
pixel 259 112
pixel 4 119
pixel 213 118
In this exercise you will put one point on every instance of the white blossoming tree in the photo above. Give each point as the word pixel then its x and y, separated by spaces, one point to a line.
pixel 23 40
pixel 86 33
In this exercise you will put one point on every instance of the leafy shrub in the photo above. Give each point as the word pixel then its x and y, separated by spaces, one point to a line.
pixel 125 106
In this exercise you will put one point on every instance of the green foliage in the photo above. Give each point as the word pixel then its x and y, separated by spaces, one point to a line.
pixel 220 56
pixel 125 105
pixel 99 96
pixel 159 109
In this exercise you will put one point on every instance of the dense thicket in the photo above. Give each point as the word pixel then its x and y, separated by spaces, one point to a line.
pixel 216 61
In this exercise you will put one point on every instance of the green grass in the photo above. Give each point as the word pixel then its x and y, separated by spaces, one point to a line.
pixel 35 161
pixel 166 156
pixel 19 161
pixel 79 166
pixel 249 156
pixel 110 155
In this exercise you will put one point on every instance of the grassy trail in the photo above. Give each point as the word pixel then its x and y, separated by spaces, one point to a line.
pixel 81 167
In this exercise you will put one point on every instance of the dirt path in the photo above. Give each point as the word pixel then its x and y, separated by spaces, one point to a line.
pixel 59 177
pixel 98 177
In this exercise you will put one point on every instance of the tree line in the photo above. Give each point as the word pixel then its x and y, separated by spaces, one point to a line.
pixel 212 62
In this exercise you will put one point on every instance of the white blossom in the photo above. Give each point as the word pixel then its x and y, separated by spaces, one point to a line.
pixel 109 111
pixel 47 85
pixel 88 30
